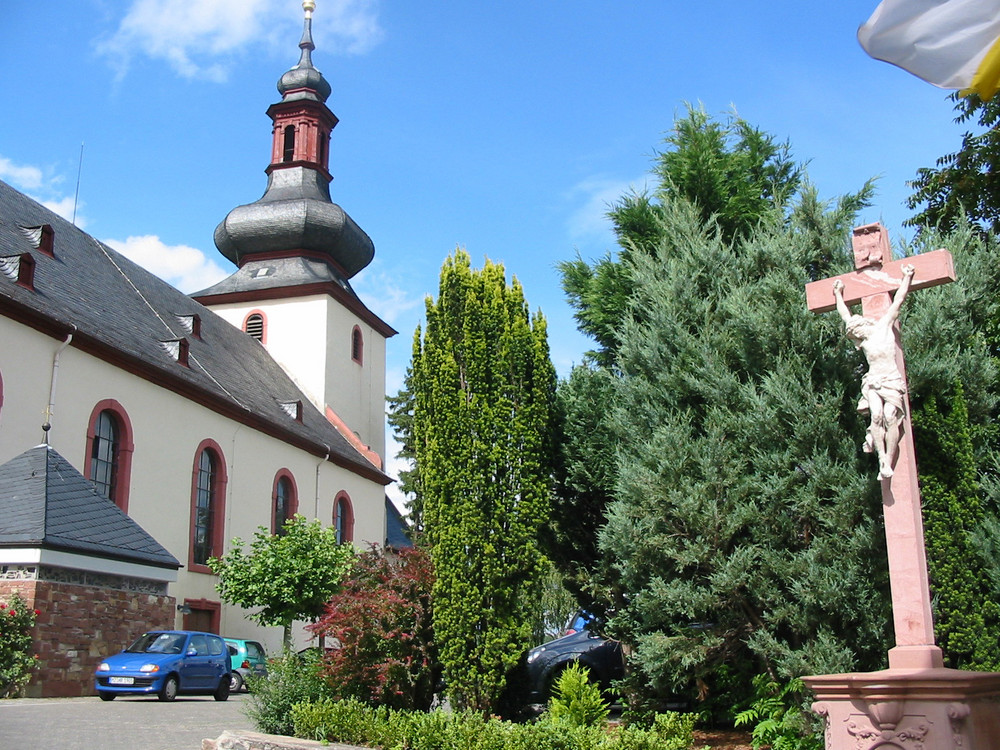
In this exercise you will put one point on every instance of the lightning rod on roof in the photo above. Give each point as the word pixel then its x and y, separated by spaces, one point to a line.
pixel 79 171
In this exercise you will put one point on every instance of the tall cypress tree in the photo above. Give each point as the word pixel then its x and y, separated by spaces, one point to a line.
pixel 966 619
pixel 482 390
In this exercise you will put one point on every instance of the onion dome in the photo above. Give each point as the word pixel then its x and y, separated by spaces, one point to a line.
pixel 304 81
pixel 295 216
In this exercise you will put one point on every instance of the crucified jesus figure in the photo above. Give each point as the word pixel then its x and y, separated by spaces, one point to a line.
pixel 883 388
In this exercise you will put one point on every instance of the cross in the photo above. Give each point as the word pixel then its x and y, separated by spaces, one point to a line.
pixel 873 284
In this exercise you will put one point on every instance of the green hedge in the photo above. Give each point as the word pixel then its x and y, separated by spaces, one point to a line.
pixel 353 723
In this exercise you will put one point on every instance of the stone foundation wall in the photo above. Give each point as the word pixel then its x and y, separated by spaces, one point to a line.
pixel 81 624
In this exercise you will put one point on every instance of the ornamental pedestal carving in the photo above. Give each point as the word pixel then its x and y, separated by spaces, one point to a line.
pixel 909 709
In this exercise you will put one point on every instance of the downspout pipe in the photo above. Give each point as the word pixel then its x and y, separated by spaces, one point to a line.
pixel 50 409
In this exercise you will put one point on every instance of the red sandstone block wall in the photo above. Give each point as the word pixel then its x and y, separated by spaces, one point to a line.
pixel 78 626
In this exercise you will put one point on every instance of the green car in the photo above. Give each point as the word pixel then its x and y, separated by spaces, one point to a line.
pixel 247 658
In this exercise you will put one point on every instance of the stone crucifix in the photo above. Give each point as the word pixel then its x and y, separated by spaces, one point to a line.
pixel 880 285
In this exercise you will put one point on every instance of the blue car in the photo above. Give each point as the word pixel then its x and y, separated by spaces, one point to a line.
pixel 165 663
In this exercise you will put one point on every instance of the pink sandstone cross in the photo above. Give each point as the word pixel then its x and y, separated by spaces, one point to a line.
pixel 873 285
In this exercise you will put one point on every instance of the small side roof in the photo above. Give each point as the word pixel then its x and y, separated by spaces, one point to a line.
pixel 46 503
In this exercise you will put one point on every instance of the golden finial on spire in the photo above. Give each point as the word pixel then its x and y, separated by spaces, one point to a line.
pixel 308 6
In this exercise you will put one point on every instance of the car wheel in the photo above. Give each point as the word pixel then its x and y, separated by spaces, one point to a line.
pixel 222 692
pixel 106 696
pixel 235 682
pixel 169 690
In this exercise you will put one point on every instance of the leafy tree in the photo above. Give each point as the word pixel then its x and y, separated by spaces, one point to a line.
pixel 967 182
pixel 483 389
pixel 381 619
pixel 289 576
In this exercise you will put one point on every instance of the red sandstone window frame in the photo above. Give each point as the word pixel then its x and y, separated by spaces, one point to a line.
pixel 343 517
pixel 217 530
pixel 263 325
pixel 357 345
pixel 122 469
pixel 293 499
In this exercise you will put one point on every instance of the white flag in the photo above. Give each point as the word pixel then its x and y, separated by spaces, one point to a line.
pixel 950 43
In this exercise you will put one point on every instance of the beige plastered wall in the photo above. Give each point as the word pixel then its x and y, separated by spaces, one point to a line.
pixel 167 430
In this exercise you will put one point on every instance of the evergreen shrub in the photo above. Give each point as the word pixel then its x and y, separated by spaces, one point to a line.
pixel 578 700
pixel 17 657
pixel 291 679
pixel 355 723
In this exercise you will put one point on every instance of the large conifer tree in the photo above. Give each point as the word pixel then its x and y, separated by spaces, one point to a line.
pixel 746 528
pixel 482 388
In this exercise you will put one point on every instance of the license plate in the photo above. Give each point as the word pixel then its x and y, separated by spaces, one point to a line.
pixel 121 681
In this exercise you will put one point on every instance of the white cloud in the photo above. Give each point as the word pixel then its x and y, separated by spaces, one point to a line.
pixel 39 184
pixel 202 38
pixel 25 177
pixel 382 295
pixel 594 196
pixel 187 268
pixel 65 208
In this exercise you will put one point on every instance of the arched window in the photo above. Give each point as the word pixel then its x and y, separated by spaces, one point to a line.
pixel 208 499
pixel 104 456
pixel 108 462
pixel 343 518
pixel 289 149
pixel 323 138
pixel 254 326
pixel 284 501
pixel 357 346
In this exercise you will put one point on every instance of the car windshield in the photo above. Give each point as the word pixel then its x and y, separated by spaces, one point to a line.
pixel 158 643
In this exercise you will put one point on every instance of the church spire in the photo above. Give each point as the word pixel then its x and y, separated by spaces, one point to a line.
pixel 304 81
pixel 296 217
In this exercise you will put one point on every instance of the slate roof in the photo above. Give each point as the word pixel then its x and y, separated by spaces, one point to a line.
pixel 46 503
pixel 395 527
pixel 125 315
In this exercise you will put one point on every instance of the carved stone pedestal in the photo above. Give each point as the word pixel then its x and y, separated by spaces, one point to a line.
pixel 909 709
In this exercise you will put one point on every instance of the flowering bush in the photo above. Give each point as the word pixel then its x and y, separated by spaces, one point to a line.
pixel 17 657
pixel 380 624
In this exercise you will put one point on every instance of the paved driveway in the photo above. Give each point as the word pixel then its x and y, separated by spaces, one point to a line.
pixel 127 723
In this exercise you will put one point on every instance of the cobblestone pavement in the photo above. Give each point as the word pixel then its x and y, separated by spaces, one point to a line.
pixel 127 723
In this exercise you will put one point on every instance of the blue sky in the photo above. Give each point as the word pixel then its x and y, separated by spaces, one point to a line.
pixel 505 128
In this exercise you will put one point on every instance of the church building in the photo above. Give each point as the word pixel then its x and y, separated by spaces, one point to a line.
pixel 142 429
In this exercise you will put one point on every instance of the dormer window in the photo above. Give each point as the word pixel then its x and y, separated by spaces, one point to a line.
pixel 292 409
pixel 177 349
pixel 45 240
pixel 191 324
pixel 40 237
pixel 289 149
pixel 19 268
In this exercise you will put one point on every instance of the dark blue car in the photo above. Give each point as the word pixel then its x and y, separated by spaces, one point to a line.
pixel 166 663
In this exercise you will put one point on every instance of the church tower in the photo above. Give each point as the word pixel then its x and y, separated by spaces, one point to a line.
pixel 296 251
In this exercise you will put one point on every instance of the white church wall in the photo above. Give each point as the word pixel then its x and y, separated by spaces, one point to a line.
pixel 359 389
pixel 293 336
pixel 310 337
